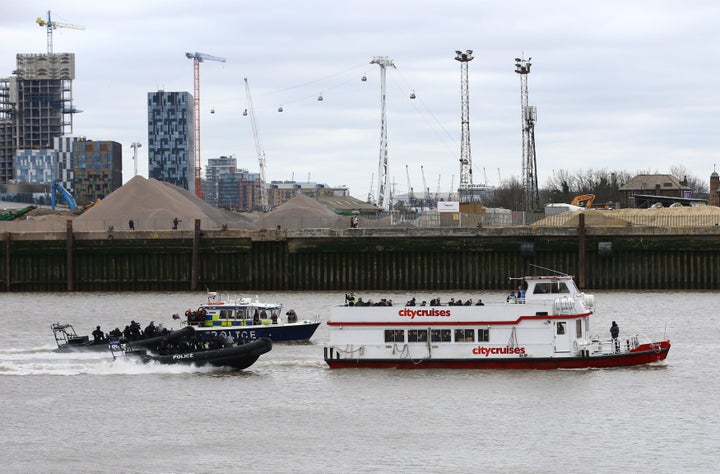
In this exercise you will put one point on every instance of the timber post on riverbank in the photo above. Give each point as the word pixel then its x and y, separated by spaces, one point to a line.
pixel 401 259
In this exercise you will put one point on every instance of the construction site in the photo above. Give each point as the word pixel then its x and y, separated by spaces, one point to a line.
pixel 167 232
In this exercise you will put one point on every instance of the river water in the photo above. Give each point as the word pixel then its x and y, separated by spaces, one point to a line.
pixel 290 413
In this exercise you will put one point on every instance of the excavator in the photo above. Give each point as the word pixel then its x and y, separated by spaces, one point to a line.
pixel 57 188
pixel 584 201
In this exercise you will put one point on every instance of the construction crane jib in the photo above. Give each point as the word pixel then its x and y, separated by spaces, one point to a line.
pixel 258 148
pixel 383 199
pixel 51 25
pixel 197 59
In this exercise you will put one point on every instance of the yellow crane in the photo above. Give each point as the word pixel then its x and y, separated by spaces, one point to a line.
pixel 51 25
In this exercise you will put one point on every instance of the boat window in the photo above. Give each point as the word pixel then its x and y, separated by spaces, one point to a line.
pixel 578 328
pixel 223 314
pixel 464 335
pixel 394 335
pixel 417 335
pixel 560 327
pixel 544 288
pixel 483 335
pixel 440 335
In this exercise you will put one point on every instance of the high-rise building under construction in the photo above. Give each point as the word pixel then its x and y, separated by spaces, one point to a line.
pixel 35 106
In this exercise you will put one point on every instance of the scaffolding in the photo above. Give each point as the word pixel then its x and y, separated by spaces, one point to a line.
pixel 35 105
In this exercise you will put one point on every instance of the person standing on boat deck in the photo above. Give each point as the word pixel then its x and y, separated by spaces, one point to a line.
pixel 150 330
pixel 135 333
pixel 614 333
pixel 98 334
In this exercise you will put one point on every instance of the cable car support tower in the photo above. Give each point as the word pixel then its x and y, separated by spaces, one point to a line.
pixel 383 199
pixel 529 117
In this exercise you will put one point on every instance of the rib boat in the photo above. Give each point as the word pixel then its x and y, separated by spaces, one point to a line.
pixel 183 347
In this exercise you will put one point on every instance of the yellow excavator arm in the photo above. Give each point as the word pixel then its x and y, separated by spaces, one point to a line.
pixel 584 200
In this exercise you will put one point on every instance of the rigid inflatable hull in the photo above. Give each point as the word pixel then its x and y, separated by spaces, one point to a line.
pixel 235 357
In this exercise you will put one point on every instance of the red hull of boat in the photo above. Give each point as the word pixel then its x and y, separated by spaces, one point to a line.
pixel 644 354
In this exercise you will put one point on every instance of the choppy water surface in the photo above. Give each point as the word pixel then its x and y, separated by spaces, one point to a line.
pixel 289 413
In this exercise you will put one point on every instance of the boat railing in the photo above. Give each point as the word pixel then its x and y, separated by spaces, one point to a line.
pixel 596 345
pixel 564 304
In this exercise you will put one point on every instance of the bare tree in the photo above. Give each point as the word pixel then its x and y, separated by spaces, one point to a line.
pixel 564 185
pixel 700 188
pixel 509 195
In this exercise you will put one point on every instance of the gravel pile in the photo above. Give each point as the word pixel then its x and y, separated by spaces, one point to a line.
pixel 154 205
pixel 700 216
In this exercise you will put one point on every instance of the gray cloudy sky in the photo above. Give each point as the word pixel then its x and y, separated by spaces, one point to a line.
pixel 618 85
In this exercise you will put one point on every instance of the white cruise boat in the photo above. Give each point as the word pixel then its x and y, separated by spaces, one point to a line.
pixel 546 326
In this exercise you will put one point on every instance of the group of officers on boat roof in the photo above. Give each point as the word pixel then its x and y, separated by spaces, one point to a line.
pixel 199 316
pixel 350 300
pixel 132 332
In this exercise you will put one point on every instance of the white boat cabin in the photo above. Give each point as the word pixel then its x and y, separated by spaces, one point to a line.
pixel 547 317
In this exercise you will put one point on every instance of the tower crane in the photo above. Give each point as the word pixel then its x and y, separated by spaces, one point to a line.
pixel 410 189
pixel 197 59
pixel 371 191
pixel 51 25
pixel 258 149
pixel 426 190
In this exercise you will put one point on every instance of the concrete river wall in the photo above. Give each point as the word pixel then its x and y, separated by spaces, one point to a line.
pixel 359 259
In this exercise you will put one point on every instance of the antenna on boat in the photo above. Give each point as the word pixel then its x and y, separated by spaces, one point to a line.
pixel 549 269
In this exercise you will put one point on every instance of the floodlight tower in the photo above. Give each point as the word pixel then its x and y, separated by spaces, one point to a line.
pixel 465 188
pixel 383 199
pixel 529 117
pixel 135 146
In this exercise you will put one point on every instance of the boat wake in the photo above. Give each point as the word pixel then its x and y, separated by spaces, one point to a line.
pixel 43 361
pixel 312 364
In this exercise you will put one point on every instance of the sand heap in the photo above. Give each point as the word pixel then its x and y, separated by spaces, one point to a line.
pixel 154 205
pixel 298 213
pixel 682 216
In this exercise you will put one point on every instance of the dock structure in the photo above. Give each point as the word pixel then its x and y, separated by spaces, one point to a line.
pixel 647 258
